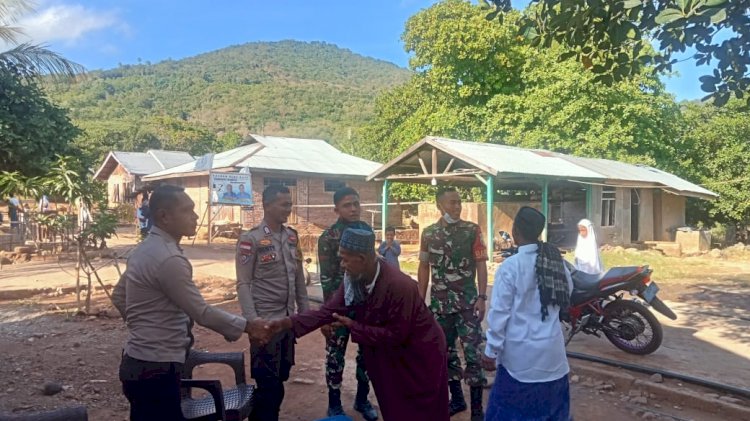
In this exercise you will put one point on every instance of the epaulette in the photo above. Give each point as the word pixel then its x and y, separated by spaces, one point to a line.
pixel 247 232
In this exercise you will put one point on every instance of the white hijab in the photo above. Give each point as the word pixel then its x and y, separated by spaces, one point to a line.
pixel 587 251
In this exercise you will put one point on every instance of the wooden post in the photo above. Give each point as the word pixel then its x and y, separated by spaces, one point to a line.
pixel 208 210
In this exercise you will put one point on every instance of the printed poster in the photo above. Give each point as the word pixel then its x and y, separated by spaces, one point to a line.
pixel 231 189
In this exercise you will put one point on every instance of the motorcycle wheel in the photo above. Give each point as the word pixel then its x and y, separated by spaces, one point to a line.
pixel 631 327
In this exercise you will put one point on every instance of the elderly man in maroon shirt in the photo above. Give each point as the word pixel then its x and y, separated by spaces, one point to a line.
pixel 404 347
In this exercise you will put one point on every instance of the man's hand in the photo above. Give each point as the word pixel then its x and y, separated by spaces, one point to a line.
pixel 327 331
pixel 489 364
pixel 258 332
pixel 345 321
pixel 278 325
pixel 479 309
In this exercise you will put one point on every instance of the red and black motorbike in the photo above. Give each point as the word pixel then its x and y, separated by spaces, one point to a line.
pixel 598 304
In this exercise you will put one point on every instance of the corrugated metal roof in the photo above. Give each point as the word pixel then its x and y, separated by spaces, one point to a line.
pixel 615 171
pixel 507 160
pixel 138 163
pixel 270 153
pixel 306 155
pixel 169 159
pixel 141 163
pixel 512 160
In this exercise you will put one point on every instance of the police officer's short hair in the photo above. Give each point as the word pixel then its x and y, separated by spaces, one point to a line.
pixel 342 193
pixel 390 228
pixel 164 197
pixel 273 190
pixel 442 191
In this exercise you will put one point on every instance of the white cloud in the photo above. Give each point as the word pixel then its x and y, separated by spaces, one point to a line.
pixel 68 23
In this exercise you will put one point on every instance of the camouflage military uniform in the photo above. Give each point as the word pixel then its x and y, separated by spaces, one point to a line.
pixel 331 276
pixel 453 250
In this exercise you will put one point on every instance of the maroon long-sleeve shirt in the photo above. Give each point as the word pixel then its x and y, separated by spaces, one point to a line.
pixel 404 347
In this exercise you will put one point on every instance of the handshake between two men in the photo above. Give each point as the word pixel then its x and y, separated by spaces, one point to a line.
pixel 261 331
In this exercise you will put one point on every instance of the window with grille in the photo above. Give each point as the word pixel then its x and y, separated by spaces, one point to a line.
pixel 333 185
pixel 288 182
pixel 609 195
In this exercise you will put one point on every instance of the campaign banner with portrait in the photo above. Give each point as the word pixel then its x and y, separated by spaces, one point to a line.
pixel 231 189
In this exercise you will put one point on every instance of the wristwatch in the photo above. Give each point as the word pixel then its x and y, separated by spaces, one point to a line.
pixel 482 297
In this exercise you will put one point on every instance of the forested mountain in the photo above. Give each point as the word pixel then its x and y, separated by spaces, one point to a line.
pixel 208 102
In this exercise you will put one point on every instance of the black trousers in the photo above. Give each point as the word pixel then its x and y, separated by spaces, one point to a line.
pixel 270 366
pixel 152 388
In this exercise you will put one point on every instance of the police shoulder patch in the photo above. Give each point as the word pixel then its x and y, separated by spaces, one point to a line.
pixel 245 248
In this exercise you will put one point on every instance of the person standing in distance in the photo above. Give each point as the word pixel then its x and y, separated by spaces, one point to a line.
pixel 270 285
pixel 390 248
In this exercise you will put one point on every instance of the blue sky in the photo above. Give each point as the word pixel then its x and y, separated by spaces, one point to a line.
pixel 102 33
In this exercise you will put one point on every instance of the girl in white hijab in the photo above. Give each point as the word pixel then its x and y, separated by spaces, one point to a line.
pixel 587 249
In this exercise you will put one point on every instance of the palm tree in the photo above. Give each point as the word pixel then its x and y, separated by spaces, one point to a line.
pixel 30 60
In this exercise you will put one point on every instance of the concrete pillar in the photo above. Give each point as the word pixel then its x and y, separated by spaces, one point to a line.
pixel 384 209
pixel 490 208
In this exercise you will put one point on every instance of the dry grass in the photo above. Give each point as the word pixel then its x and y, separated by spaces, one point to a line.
pixel 704 269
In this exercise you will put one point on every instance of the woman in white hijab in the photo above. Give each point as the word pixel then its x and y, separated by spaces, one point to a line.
pixel 587 249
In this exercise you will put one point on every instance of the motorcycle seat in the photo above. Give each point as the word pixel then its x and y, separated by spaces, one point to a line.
pixel 586 282
pixel 620 274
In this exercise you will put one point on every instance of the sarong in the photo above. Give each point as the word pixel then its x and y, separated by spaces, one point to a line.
pixel 511 400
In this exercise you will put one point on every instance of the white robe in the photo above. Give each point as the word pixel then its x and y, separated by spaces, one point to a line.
pixel 587 251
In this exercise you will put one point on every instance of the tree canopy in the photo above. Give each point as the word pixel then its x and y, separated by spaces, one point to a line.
pixel 716 153
pixel 615 39
pixel 477 80
pixel 33 130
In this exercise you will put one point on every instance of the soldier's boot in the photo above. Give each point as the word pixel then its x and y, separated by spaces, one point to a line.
pixel 457 403
pixel 477 411
pixel 362 404
pixel 334 403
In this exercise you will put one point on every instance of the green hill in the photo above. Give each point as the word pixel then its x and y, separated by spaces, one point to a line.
pixel 209 101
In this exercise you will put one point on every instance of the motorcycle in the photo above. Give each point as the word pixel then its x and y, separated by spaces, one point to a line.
pixel 598 304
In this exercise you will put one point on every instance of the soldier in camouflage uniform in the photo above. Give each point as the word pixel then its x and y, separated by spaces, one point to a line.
pixel 453 253
pixel 347 207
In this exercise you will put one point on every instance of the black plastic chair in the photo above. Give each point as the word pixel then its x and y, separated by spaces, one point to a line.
pixel 76 413
pixel 235 403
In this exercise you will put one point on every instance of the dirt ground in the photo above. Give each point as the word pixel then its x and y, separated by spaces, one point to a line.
pixel 42 340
